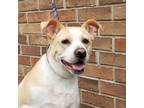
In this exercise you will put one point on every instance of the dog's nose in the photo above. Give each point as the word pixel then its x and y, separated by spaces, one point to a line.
pixel 80 53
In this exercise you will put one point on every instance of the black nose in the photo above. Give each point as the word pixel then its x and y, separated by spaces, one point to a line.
pixel 80 53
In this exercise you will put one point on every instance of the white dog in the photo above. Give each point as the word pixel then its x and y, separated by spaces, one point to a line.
pixel 53 83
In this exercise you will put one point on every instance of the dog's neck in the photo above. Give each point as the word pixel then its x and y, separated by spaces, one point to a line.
pixel 45 77
pixel 57 67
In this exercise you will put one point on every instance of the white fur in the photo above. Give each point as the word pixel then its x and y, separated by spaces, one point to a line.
pixel 77 34
pixel 49 84
pixel 58 93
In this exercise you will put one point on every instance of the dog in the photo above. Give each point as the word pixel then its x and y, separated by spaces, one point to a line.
pixel 53 82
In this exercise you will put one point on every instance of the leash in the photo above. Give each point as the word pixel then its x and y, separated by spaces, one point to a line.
pixel 54 9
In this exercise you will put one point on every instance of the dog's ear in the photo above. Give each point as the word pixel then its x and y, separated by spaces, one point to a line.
pixel 92 27
pixel 51 28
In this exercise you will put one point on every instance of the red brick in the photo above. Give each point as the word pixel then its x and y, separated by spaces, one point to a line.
pixel 88 84
pixel 28 5
pixel 82 105
pixel 98 72
pixel 120 12
pixel 120 104
pixel 66 15
pixel 20 78
pixel 112 59
pixel 120 45
pixel 24 60
pixel 30 28
pixel 75 3
pixel 22 6
pixel 120 75
pixel 46 4
pixel 33 60
pixel 32 4
pixel 38 16
pixel 76 24
pixel 103 2
pixel 38 40
pixel 92 58
pixel 116 28
pixel 102 43
pixel 101 13
pixel 22 39
pixel 22 18
pixel 30 50
pixel 113 89
pixel 97 100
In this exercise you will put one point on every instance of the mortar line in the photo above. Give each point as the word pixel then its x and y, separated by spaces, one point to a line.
pixel 81 99
pixel 104 80
pixel 97 2
pixel 97 57
pixel 99 6
pixel 113 44
pixel 31 56
pixel 112 82
pixel 114 102
pixel 64 4
pixel 99 87
pixel 110 36
pixel 107 66
pixel 90 105
pixel 33 45
pixel 76 15
pixel 104 51
pixel 75 8
pixel 102 94
pixel 112 13
pixel 27 39
pixel 38 4
pixel 26 18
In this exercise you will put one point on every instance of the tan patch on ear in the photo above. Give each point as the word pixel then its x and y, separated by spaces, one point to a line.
pixel 51 28
pixel 92 27
pixel 92 22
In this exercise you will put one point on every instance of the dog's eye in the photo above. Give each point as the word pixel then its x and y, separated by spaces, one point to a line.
pixel 85 41
pixel 65 41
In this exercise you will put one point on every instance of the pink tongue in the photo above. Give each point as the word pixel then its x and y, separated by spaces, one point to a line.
pixel 78 67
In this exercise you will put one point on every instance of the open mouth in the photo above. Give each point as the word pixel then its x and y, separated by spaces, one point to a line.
pixel 77 67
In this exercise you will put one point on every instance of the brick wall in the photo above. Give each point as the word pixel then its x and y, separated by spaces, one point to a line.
pixel 103 83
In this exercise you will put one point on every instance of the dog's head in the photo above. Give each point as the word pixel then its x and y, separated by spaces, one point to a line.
pixel 71 46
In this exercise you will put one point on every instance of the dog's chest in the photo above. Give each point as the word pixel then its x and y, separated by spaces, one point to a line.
pixel 55 98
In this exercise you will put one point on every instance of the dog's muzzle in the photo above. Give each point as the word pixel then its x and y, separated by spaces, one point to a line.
pixel 79 65
pixel 76 68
